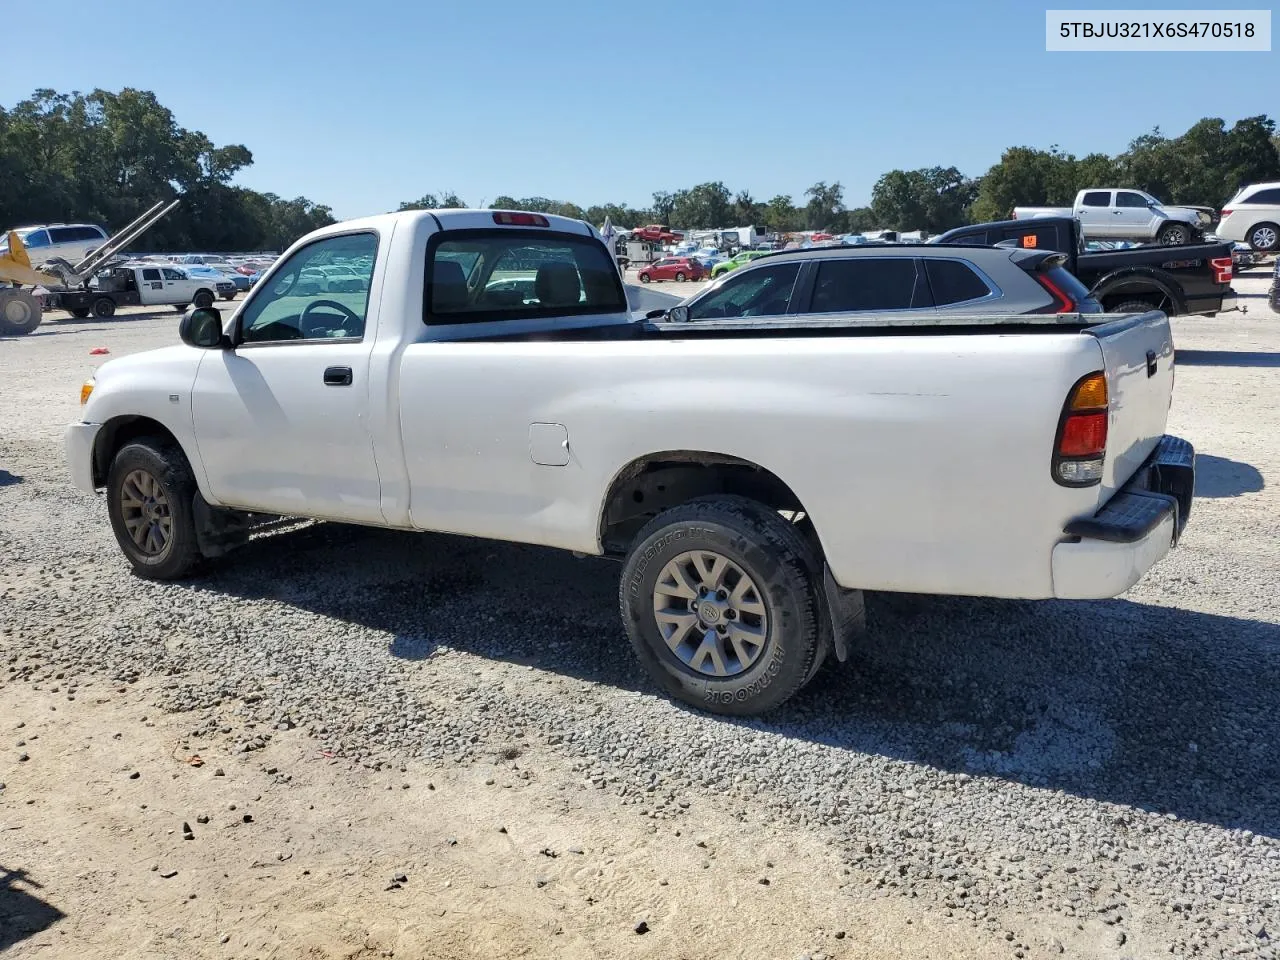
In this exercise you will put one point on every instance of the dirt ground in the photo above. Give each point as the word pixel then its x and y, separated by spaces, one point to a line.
pixel 299 855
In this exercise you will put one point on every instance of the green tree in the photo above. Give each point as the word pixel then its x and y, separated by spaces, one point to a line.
pixel 932 199
pixel 746 211
pixel 445 200
pixel 663 205
pixel 706 205
pixel 780 215
pixel 826 202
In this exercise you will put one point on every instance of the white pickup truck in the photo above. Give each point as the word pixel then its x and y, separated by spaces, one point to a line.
pixel 1111 214
pixel 754 473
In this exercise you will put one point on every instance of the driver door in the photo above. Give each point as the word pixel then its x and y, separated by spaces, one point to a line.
pixel 282 419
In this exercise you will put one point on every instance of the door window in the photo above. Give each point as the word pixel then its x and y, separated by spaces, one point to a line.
pixel 301 303
pixel 63 234
pixel 1126 198
pixel 864 283
pixel 170 274
pixel 37 238
pixel 150 275
pixel 750 292
pixel 1097 198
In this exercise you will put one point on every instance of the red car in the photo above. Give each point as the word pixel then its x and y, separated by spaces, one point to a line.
pixel 656 233
pixel 679 269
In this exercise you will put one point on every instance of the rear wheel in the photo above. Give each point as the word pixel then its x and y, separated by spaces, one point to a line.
pixel 719 597
pixel 104 307
pixel 150 490
pixel 1265 237
pixel 1175 234
pixel 1133 306
pixel 203 299
pixel 19 312
pixel 181 307
pixel 79 312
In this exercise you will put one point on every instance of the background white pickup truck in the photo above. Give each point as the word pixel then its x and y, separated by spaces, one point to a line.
pixel 1128 215
pixel 754 474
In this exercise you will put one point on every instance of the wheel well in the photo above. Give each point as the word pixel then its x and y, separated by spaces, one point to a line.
pixel 1159 299
pixel 649 485
pixel 117 432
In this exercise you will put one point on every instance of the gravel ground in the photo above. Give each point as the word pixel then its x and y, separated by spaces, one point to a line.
pixel 1094 779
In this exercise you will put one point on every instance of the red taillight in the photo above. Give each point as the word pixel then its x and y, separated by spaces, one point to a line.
pixel 520 219
pixel 1225 213
pixel 1081 446
pixel 1064 303
pixel 1083 435
pixel 1221 269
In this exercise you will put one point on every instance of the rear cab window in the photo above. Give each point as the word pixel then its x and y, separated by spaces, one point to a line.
pixel 481 276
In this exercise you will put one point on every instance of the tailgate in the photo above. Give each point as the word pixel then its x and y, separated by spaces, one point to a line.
pixel 1137 356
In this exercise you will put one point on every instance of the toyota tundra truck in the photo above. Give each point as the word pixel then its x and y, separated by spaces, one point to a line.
pixel 753 471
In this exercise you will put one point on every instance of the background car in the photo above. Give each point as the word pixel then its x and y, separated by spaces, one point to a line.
pixel 1253 216
pixel 895 278
pixel 679 269
pixel 66 241
pixel 740 259
pixel 656 233
pixel 239 281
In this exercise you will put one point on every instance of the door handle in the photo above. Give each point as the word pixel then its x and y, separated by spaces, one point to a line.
pixel 337 376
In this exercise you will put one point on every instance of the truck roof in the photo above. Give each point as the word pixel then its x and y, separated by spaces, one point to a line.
pixel 467 219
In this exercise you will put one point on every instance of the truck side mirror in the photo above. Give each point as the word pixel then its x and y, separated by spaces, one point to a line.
pixel 202 327
pixel 679 314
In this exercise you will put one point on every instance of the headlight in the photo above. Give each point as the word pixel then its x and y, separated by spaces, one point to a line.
pixel 86 389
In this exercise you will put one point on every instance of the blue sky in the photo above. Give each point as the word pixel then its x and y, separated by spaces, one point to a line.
pixel 362 105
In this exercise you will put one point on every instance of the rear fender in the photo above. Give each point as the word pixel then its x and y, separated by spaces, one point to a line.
pixel 1140 281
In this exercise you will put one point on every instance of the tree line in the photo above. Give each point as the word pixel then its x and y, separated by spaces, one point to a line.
pixel 105 157
pixel 1205 165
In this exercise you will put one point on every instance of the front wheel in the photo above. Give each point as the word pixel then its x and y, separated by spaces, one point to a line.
pixel 644 278
pixel 203 299
pixel 181 307
pixel 150 491
pixel 1175 234
pixel 679 278
pixel 80 313
pixel 228 296
pixel 1265 237
pixel 719 597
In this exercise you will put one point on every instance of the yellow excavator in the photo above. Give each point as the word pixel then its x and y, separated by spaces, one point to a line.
pixel 21 310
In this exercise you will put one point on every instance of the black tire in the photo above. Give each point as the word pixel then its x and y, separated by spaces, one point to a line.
pixel 1133 306
pixel 1174 234
pixel 785 573
pixel 20 312
pixel 1258 234
pixel 203 299
pixel 80 313
pixel 181 307
pixel 228 296
pixel 680 277
pixel 644 278
pixel 104 307
pixel 165 462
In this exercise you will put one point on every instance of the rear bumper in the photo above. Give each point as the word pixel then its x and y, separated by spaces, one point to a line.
pixel 78 444
pixel 1110 551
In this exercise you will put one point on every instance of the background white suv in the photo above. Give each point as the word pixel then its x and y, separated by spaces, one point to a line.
pixel 70 241
pixel 1253 216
